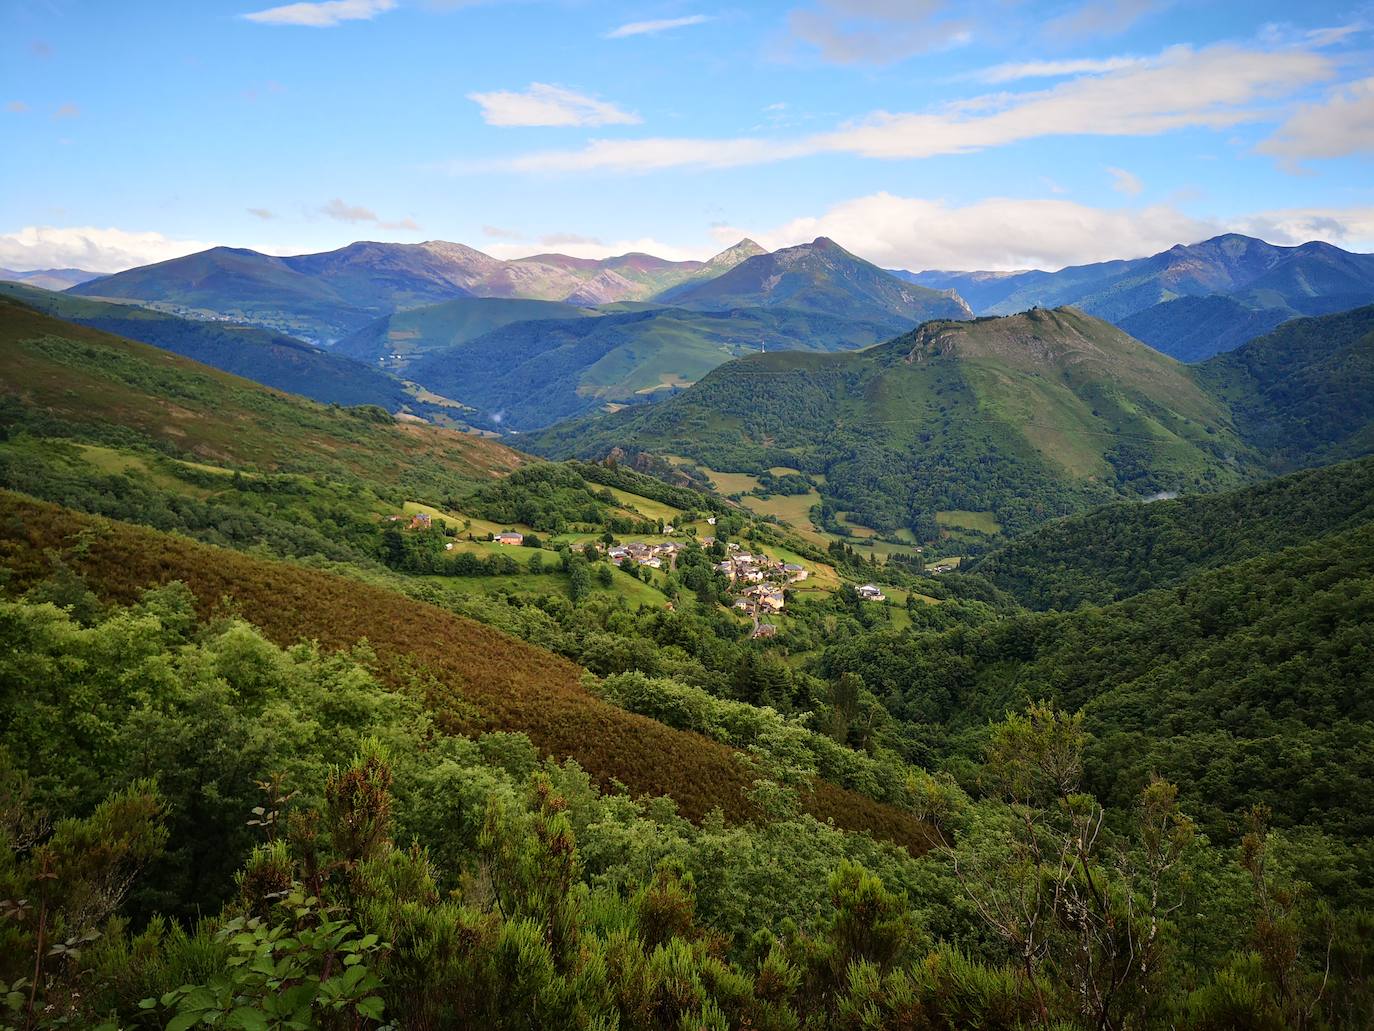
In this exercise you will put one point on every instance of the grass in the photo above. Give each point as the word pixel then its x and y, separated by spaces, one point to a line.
pixel 855 529
pixel 731 483
pixel 794 509
pixel 646 507
pixel 984 522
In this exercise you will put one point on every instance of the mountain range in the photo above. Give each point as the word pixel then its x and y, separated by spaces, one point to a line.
pixel 48 278
pixel 1191 301
pixel 526 363
pixel 322 297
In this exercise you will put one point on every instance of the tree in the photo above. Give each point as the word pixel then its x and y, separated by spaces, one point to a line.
pixel 579 579
pixel 844 704
pixel 1065 899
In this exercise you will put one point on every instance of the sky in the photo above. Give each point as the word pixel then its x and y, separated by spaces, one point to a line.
pixel 993 134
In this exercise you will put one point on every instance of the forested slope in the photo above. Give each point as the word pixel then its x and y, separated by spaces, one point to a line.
pixel 1120 550
pixel 1250 683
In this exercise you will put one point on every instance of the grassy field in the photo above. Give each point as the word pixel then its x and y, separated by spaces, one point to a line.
pixel 476 527
pixel 646 507
pixel 984 522
pixel 855 529
pixel 731 483
pixel 790 508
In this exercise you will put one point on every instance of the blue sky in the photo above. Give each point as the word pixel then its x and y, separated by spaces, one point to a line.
pixel 919 134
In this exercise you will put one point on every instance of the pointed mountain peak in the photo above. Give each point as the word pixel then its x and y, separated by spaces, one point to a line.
pixel 732 256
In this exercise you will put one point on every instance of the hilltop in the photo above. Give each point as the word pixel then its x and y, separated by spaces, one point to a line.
pixel 1022 417
pixel 48 278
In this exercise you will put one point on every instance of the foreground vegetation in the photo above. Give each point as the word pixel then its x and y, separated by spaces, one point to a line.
pixel 285 741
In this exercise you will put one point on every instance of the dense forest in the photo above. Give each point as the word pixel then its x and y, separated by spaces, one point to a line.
pixel 1120 550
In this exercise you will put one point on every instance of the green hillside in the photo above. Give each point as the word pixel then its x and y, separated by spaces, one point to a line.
pixel 1303 394
pixel 1024 417
pixel 1251 668
pixel 66 380
pixel 268 358
pixel 1125 549
pixel 529 374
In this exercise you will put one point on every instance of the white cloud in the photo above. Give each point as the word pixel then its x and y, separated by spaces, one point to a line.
pixel 993 234
pixel 1055 69
pixel 88 247
pixel 354 214
pixel 876 31
pixel 1002 233
pixel 262 213
pixel 544 104
pixel 1350 228
pixel 1125 182
pixel 17 107
pixel 321 15
pixel 1342 125
pixel 67 111
pixel 645 28
pixel 1216 87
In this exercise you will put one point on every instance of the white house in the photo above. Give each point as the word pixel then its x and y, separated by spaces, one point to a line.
pixel 871 592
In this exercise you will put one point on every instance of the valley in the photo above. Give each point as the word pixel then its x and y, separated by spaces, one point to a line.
pixel 722 599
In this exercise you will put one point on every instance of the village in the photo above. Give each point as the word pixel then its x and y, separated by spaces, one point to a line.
pixel 758 583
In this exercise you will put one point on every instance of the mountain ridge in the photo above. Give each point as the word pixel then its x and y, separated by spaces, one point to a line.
pixel 1155 296
pixel 325 296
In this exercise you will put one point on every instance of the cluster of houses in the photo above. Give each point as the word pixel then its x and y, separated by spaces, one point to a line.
pixel 759 581
pixel 643 553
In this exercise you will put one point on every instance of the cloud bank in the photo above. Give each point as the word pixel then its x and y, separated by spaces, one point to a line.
pixel 1003 234
pixel 89 247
